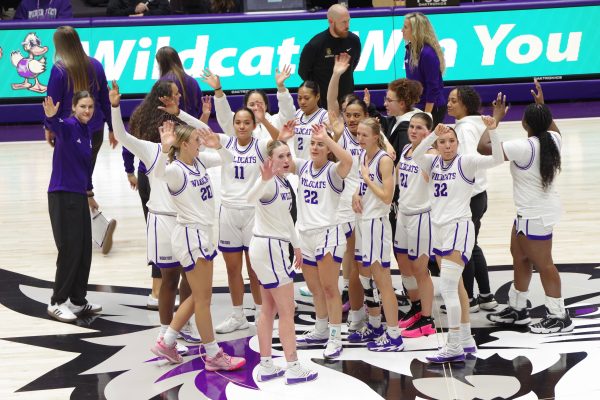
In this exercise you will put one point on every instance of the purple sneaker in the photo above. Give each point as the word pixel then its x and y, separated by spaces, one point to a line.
pixel 385 343
pixel 333 350
pixel 366 334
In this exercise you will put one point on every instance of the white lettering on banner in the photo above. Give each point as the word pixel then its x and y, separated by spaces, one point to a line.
pixel 264 65
pixel 571 53
pixel 534 46
pixel 142 60
pixel 374 43
pixel 105 53
pixel 490 45
pixel 285 52
pixel 198 56
pixel 450 48
pixel 215 64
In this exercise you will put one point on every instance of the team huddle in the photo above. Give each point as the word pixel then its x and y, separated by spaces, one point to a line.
pixel 348 178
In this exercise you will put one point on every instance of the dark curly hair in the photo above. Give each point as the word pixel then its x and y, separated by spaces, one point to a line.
pixel 407 90
pixel 147 118
pixel 469 98
pixel 539 118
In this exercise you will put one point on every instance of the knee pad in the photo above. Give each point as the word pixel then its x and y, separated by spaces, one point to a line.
pixel 409 282
pixel 371 293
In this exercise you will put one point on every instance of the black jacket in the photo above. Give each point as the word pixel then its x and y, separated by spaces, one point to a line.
pixel 124 8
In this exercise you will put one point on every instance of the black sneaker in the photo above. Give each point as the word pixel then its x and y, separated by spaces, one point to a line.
pixel 473 306
pixel 411 316
pixel 510 316
pixel 553 324
pixel 487 303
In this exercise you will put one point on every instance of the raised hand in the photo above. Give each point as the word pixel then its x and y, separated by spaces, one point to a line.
pixel 211 79
pixel 50 109
pixel 167 135
pixel 169 105
pixel 441 129
pixel 490 122
pixel 287 131
pixel 367 97
pixel 209 139
pixel 206 104
pixel 319 133
pixel 259 112
pixel 342 63
pixel 113 94
pixel 266 170
pixel 539 95
pixel 281 76
pixel 500 107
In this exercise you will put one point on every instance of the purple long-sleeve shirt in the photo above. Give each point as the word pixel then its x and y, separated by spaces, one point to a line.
pixel 192 104
pixel 44 9
pixel 428 73
pixel 72 157
pixel 59 90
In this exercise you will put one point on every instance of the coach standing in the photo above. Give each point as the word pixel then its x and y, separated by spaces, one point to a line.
pixel 318 55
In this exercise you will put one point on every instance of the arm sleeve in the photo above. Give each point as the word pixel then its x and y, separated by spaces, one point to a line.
pixel 420 155
pixel 430 69
pixel 476 161
pixel 146 151
pixel 191 120
pixel 286 112
pixel 54 124
pixel 170 173
pixel 224 115
pixel 261 190
pixel 65 11
pixel 307 59
pixel 119 8
pixel 128 159
pixel 210 160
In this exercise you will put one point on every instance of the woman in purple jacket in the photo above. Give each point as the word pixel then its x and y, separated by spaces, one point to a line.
pixel 424 62
pixel 69 198
pixel 44 9
pixel 73 72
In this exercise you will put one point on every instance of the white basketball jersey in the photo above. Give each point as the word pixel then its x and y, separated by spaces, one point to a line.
pixel 194 201
pixel 273 218
pixel 238 177
pixel 372 205
pixel 303 130
pixel 318 195
pixel 350 144
pixel 451 191
pixel 531 200
pixel 413 188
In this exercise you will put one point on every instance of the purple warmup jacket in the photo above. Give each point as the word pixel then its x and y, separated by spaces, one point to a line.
pixel 59 90
pixel 44 9
pixel 428 73
pixel 193 101
pixel 72 157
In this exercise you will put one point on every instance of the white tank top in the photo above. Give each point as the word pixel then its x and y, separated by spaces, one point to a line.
pixel 412 186
pixel 372 205
pixel 303 130
pixel 238 177
pixel 318 195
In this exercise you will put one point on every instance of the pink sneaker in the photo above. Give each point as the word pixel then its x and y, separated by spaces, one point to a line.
pixel 223 361
pixel 405 323
pixel 422 327
pixel 168 352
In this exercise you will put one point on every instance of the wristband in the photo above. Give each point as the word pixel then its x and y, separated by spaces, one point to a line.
pixel 90 194
pixel 219 88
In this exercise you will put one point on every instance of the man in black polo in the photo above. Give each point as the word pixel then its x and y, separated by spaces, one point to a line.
pixel 318 55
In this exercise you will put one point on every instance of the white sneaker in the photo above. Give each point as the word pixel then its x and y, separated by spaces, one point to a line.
pixel 269 372
pixel 189 332
pixel 61 312
pixel 232 323
pixel 313 337
pixel 333 349
pixel 299 374
pixel 87 308
pixel 152 302
pixel 181 349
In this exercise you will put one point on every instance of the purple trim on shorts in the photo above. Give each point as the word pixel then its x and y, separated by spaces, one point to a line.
pixel 398 250
pixel 382 232
pixel 187 239
pixel 232 249
pixel 530 160
pixel 455 236
pixel 189 267
pixel 430 238
pixel 465 259
pixel 357 258
pixel 371 253
pixel 441 253
pixel 273 266
pixel 308 262
pixel 466 239
pixel 460 171
pixel 337 259
pixel 418 235
pixel 269 285
pixel 539 237
pixel 326 238
pixel 348 232
pixel 167 265
pixel 155 240
pixel 412 258
pixel 385 264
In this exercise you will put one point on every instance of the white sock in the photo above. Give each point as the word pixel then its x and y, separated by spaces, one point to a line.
pixel 238 312
pixel 335 331
pixel 375 321
pixel 170 336
pixel 212 348
pixel 453 338
pixel 357 315
pixel 556 306
pixel 322 325
pixel 484 294
pixel 465 330
pixel 517 299
pixel 162 330
pixel 293 364
pixel 266 362
pixel 346 282
pixel 393 331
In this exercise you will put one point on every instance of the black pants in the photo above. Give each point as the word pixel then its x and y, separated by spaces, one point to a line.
pixel 97 139
pixel 143 187
pixel 72 230
pixel 438 114
pixel 476 268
